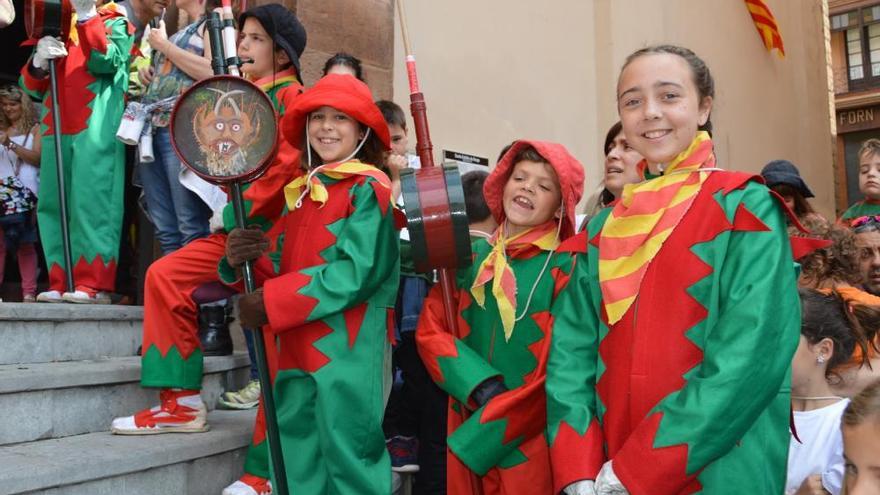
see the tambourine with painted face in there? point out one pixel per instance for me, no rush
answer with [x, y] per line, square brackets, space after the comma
[47, 18]
[225, 129]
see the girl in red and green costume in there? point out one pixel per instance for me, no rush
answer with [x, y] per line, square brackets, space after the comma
[172, 357]
[329, 284]
[493, 368]
[92, 69]
[869, 183]
[674, 378]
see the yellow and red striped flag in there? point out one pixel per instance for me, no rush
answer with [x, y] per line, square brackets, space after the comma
[766, 25]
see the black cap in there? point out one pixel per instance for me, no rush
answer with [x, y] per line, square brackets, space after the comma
[784, 172]
[283, 27]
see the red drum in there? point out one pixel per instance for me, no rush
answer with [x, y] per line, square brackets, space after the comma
[436, 218]
[47, 18]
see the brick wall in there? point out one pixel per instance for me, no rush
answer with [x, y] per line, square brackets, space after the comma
[363, 28]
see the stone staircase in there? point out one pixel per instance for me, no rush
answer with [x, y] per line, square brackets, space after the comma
[65, 372]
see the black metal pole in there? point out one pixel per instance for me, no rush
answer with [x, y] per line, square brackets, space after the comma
[218, 58]
[59, 171]
[279, 487]
[272, 435]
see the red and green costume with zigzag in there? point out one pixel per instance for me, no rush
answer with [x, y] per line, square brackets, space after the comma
[503, 442]
[92, 80]
[678, 369]
[865, 207]
[172, 355]
[506, 303]
[330, 285]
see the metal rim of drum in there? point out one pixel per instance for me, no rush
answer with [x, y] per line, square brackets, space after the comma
[458, 212]
[264, 162]
[47, 18]
[453, 221]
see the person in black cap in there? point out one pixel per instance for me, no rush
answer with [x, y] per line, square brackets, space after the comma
[783, 177]
[271, 42]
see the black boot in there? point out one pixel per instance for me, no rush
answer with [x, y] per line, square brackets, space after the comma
[214, 330]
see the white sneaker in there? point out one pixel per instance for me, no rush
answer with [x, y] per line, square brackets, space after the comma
[246, 398]
[180, 411]
[86, 296]
[50, 296]
[249, 485]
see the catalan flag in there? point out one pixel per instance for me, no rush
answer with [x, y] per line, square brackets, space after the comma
[766, 25]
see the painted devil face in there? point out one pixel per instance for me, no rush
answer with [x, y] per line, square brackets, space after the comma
[224, 131]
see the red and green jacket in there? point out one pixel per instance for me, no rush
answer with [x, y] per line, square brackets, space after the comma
[490, 437]
[330, 260]
[865, 207]
[690, 390]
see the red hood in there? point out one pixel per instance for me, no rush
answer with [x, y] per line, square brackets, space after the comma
[342, 92]
[569, 171]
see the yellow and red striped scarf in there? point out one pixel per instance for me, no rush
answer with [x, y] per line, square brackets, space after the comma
[317, 191]
[642, 220]
[496, 268]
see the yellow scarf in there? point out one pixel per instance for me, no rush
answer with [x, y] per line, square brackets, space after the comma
[641, 222]
[496, 268]
[311, 185]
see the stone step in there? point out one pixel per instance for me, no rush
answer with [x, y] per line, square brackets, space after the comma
[53, 400]
[104, 464]
[41, 333]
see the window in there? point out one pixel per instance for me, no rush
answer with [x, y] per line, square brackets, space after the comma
[862, 30]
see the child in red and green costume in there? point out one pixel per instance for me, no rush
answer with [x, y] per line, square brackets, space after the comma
[674, 377]
[869, 183]
[329, 287]
[494, 367]
[92, 69]
[172, 357]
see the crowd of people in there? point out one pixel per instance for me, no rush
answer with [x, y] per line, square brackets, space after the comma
[699, 329]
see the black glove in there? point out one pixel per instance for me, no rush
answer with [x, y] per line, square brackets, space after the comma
[487, 390]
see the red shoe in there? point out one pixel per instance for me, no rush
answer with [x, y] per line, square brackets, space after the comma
[180, 411]
[249, 485]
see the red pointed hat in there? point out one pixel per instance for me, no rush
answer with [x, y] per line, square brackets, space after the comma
[569, 171]
[342, 92]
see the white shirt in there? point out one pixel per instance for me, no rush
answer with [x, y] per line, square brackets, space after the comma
[821, 451]
[28, 174]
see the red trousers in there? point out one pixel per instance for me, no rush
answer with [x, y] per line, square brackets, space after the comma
[172, 356]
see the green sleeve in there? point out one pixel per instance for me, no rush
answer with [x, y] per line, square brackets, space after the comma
[452, 364]
[573, 432]
[108, 44]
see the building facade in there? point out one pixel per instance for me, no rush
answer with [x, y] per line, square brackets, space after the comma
[497, 70]
[855, 67]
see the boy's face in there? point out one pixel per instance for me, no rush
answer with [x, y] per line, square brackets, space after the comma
[399, 141]
[531, 195]
[255, 43]
[869, 175]
[861, 455]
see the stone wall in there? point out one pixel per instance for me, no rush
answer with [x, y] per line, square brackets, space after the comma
[363, 28]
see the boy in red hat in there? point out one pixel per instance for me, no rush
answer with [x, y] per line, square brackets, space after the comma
[494, 367]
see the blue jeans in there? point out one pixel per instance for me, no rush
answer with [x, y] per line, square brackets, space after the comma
[178, 214]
